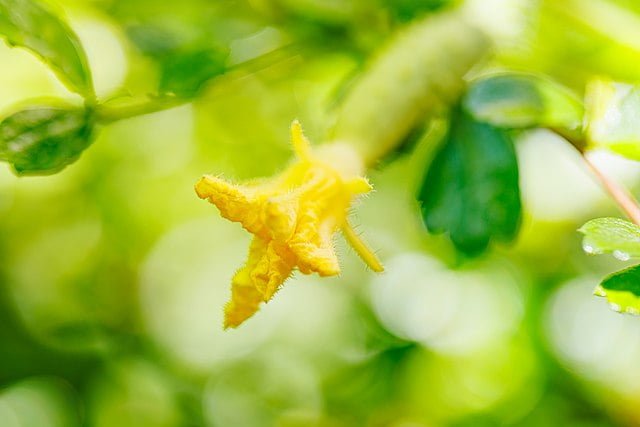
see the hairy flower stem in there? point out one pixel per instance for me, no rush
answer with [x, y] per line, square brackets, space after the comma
[361, 248]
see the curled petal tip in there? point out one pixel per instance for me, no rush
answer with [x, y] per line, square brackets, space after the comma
[359, 185]
[328, 269]
[245, 299]
[234, 202]
[201, 187]
[232, 320]
[301, 145]
[215, 188]
[312, 258]
[234, 317]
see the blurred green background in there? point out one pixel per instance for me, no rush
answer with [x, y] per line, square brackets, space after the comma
[114, 275]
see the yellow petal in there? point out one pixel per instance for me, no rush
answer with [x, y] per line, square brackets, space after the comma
[293, 217]
[244, 302]
[234, 202]
[314, 249]
[245, 297]
[280, 216]
[358, 185]
[275, 266]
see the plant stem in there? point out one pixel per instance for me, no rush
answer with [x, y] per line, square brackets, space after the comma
[622, 197]
[625, 201]
[108, 113]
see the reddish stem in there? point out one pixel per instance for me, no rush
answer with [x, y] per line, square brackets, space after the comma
[622, 197]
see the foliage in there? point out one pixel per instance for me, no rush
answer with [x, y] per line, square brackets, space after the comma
[612, 117]
[513, 100]
[44, 140]
[113, 276]
[472, 191]
[622, 239]
[31, 25]
[611, 235]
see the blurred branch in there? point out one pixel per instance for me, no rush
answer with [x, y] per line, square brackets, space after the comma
[607, 18]
[111, 112]
[621, 196]
[124, 108]
[266, 60]
[625, 201]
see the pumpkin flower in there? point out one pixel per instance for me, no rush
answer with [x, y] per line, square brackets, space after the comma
[293, 218]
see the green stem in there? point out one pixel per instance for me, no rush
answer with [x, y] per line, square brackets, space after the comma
[111, 112]
[107, 113]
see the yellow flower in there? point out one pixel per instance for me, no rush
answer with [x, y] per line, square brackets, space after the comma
[293, 218]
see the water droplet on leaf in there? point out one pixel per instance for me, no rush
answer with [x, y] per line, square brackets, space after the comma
[600, 292]
[590, 248]
[632, 310]
[622, 256]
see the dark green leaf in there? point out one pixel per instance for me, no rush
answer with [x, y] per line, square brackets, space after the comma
[471, 189]
[44, 140]
[622, 290]
[28, 24]
[625, 280]
[184, 74]
[518, 100]
[406, 10]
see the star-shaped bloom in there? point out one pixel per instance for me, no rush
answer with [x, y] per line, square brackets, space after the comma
[293, 218]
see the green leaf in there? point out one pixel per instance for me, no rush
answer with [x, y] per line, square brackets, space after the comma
[520, 100]
[622, 290]
[611, 235]
[622, 239]
[29, 24]
[184, 74]
[42, 141]
[406, 10]
[613, 117]
[471, 189]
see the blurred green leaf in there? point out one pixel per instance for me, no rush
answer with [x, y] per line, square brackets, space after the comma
[187, 57]
[406, 10]
[185, 73]
[622, 290]
[29, 24]
[611, 235]
[471, 189]
[520, 100]
[152, 40]
[613, 117]
[41, 141]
